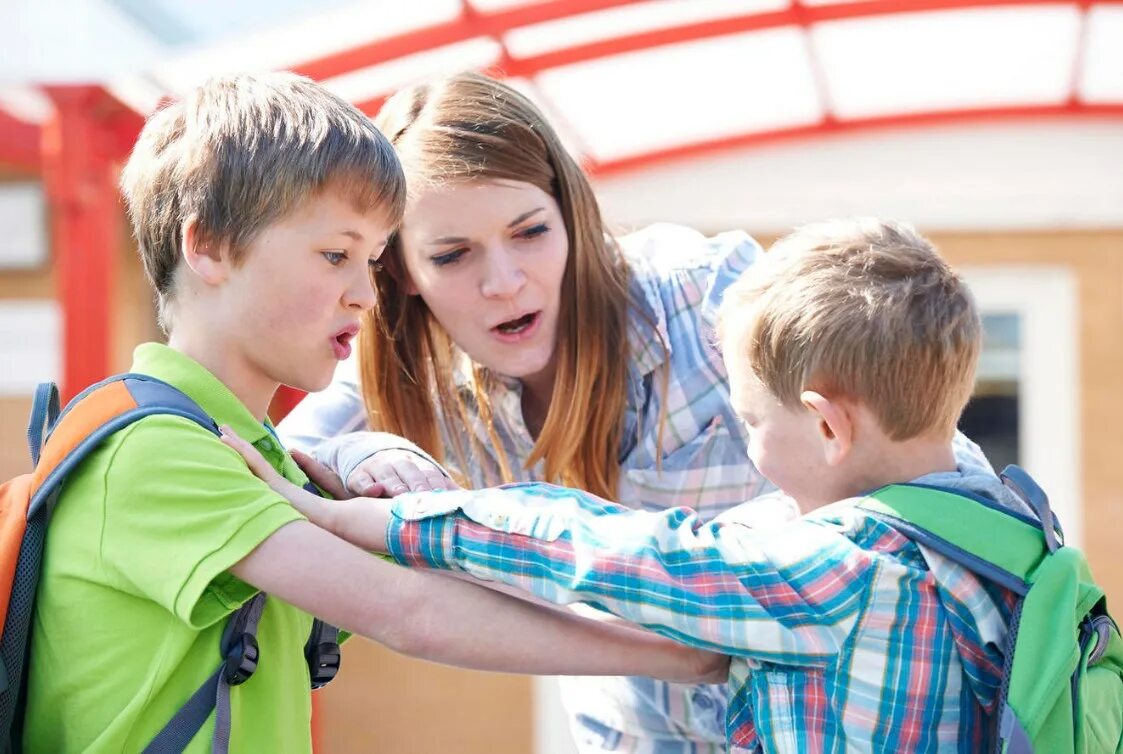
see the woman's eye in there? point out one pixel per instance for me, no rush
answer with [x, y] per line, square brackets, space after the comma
[375, 265]
[335, 258]
[534, 231]
[449, 257]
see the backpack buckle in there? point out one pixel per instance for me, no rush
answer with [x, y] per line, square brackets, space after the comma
[323, 662]
[241, 659]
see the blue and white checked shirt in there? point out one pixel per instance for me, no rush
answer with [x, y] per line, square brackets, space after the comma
[703, 461]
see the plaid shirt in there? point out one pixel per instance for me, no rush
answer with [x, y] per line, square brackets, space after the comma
[845, 635]
[679, 278]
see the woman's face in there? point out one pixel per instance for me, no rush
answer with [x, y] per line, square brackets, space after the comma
[488, 258]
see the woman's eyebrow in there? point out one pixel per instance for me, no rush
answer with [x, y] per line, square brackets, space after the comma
[461, 239]
[524, 216]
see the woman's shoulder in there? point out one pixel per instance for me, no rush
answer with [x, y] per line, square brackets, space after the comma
[679, 270]
[666, 250]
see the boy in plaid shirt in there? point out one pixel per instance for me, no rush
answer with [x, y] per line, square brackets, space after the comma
[851, 351]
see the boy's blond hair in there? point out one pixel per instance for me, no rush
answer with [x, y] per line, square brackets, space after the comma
[859, 309]
[241, 152]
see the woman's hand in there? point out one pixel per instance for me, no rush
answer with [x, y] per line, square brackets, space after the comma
[390, 472]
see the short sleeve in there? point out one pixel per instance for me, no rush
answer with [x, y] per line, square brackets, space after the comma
[181, 508]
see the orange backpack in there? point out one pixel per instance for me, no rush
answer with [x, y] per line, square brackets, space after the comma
[26, 504]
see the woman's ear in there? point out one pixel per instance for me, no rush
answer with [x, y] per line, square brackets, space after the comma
[207, 260]
[835, 424]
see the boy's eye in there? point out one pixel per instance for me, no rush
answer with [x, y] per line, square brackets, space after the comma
[335, 258]
[534, 231]
[449, 257]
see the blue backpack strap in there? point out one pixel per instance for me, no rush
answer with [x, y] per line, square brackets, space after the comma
[1026, 488]
[151, 396]
[322, 651]
[988, 540]
[239, 661]
[44, 414]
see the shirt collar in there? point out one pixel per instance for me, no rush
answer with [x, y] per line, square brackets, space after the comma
[209, 392]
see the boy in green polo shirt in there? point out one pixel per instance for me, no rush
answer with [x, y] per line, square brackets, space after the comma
[260, 205]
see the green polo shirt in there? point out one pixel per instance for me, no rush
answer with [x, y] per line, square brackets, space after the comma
[136, 589]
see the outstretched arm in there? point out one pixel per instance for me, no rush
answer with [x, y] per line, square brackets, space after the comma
[789, 596]
[432, 616]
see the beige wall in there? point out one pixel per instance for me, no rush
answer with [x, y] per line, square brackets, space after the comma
[1096, 258]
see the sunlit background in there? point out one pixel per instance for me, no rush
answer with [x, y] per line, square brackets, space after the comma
[996, 127]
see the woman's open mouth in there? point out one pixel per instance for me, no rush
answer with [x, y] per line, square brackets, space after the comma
[519, 328]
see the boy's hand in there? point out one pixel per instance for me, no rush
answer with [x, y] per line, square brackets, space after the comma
[304, 501]
[712, 667]
[393, 471]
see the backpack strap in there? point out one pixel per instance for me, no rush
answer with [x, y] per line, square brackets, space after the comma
[93, 415]
[990, 541]
[322, 651]
[240, 655]
[44, 414]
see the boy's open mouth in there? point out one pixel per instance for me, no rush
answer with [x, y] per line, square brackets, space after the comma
[517, 325]
[341, 341]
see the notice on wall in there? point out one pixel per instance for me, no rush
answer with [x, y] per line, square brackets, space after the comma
[23, 226]
[30, 344]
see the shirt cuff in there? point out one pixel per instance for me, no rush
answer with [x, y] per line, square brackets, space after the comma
[418, 535]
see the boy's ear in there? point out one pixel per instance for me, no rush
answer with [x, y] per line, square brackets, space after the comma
[835, 424]
[202, 257]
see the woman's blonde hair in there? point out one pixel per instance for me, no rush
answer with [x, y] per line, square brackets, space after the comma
[471, 127]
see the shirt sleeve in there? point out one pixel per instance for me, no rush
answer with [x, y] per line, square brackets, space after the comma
[176, 520]
[791, 596]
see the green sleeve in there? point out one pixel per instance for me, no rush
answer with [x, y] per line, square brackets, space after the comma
[181, 508]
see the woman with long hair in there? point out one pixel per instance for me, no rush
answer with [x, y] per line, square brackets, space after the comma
[515, 339]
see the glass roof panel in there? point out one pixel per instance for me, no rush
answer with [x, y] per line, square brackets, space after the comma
[633, 103]
[628, 19]
[317, 35]
[1102, 79]
[377, 80]
[948, 60]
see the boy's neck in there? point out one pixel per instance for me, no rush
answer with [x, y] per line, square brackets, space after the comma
[254, 391]
[892, 462]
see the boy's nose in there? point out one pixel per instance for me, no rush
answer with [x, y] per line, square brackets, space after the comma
[361, 294]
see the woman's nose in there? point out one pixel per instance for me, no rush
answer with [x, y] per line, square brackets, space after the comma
[503, 276]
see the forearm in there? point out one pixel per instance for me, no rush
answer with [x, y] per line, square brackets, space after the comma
[480, 628]
[430, 615]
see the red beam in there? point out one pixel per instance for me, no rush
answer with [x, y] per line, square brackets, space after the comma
[79, 151]
[801, 16]
[19, 144]
[831, 128]
[468, 26]
[498, 23]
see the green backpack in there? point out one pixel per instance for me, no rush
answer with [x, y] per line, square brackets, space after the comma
[1062, 685]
